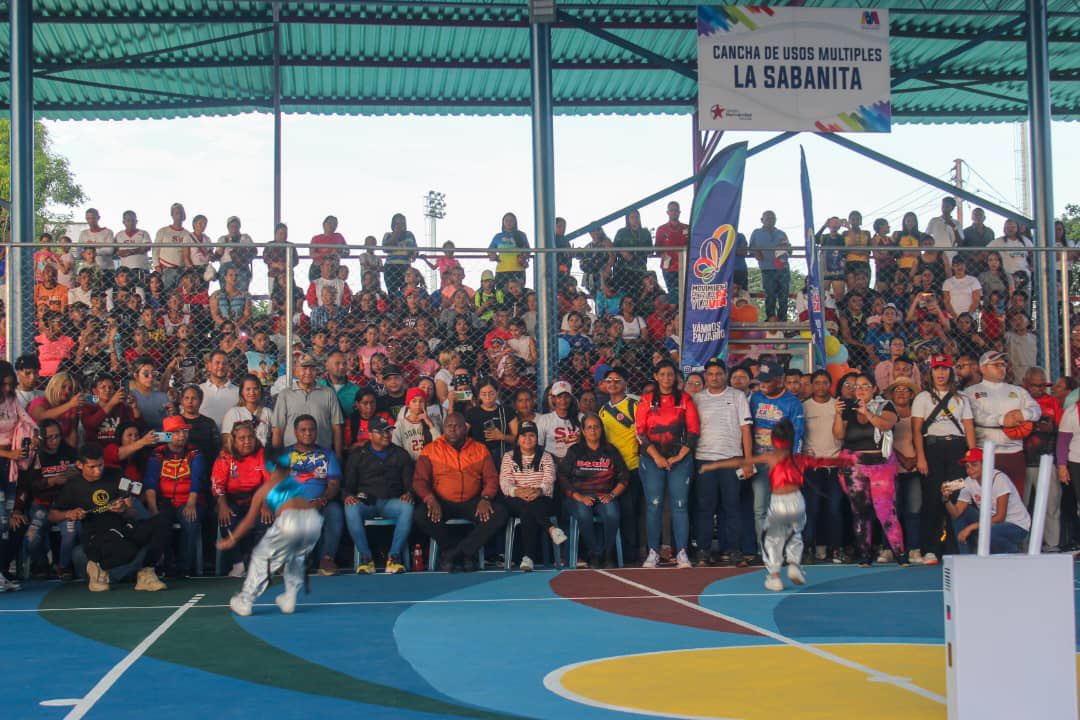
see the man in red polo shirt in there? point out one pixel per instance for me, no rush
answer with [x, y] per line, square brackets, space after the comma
[672, 234]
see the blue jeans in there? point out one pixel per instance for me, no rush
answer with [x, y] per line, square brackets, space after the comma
[716, 492]
[242, 550]
[391, 509]
[333, 526]
[190, 533]
[676, 482]
[909, 506]
[1004, 536]
[37, 536]
[671, 282]
[609, 516]
[824, 497]
[776, 284]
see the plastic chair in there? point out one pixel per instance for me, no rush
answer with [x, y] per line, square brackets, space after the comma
[574, 542]
[406, 558]
[433, 545]
[512, 525]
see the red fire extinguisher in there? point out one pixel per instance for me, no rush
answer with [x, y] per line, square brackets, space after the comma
[417, 559]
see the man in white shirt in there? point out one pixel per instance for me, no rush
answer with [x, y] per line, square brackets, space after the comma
[724, 413]
[1001, 411]
[232, 256]
[132, 246]
[943, 228]
[82, 291]
[171, 261]
[102, 236]
[1010, 523]
[219, 394]
[963, 293]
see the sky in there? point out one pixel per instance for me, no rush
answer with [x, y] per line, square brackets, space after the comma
[365, 169]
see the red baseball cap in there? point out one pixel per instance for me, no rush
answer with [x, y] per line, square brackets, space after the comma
[974, 455]
[174, 423]
[941, 361]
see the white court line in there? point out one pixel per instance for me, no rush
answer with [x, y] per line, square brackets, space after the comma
[98, 691]
[872, 675]
[467, 601]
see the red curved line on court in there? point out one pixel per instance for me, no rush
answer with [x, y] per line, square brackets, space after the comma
[596, 590]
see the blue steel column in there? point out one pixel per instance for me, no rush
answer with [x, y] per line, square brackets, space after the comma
[543, 150]
[1042, 191]
[21, 274]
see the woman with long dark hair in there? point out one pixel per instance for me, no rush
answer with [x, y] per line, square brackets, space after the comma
[593, 475]
[527, 481]
[668, 428]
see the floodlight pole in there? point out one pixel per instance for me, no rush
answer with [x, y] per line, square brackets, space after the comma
[20, 275]
[1042, 190]
[543, 152]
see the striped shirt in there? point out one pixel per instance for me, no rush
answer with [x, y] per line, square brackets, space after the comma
[512, 477]
[722, 416]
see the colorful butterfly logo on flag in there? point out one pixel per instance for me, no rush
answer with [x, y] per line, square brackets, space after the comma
[714, 253]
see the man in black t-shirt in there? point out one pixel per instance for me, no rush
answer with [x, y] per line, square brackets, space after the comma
[112, 537]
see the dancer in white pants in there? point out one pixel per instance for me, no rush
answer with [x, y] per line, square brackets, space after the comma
[296, 529]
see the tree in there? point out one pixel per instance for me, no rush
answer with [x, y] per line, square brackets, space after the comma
[55, 187]
[1071, 218]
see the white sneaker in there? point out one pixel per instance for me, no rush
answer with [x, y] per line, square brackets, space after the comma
[240, 606]
[557, 535]
[885, 556]
[915, 557]
[652, 560]
[286, 602]
[795, 575]
[526, 564]
[929, 559]
[821, 552]
[774, 583]
[237, 570]
[9, 585]
[682, 560]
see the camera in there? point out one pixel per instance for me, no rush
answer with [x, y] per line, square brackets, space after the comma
[130, 488]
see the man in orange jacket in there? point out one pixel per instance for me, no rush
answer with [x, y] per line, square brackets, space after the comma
[455, 477]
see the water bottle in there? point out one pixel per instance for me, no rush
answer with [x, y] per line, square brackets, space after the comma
[417, 559]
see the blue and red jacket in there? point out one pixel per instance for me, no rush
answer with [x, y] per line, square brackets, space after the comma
[667, 421]
[175, 475]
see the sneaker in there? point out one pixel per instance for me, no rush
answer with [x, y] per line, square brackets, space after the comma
[915, 557]
[885, 556]
[366, 566]
[97, 580]
[929, 559]
[837, 559]
[393, 566]
[237, 571]
[327, 566]
[286, 602]
[701, 559]
[736, 559]
[902, 560]
[12, 586]
[682, 560]
[652, 560]
[795, 575]
[240, 606]
[526, 564]
[557, 535]
[821, 552]
[147, 581]
[774, 583]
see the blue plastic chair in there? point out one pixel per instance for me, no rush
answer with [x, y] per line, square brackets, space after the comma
[574, 536]
[433, 545]
[406, 558]
[511, 526]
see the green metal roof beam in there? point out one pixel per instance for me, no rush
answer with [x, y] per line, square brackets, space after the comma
[340, 62]
[595, 30]
[975, 90]
[990, 34]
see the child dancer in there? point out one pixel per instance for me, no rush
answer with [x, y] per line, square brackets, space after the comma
[296, 529]
[782, 534]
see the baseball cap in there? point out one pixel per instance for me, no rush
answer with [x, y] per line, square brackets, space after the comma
[974, 455]
[174, 423]
[528, 427]
[941, 361]
[308, 360]
[378, 424]
[769, 371]
[991, 356]
[487, 275]
[561, 387]
[391, 370]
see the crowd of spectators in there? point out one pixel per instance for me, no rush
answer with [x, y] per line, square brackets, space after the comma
[419, 405]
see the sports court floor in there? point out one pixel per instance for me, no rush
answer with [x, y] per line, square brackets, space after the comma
[589, 644]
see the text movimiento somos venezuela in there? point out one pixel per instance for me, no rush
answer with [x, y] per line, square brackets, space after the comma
[797, 67]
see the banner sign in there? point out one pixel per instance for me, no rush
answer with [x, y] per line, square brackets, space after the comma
[813, 279]
[711, 260]
[793, 69]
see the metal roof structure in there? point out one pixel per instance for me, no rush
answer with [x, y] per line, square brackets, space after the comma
[953, 60]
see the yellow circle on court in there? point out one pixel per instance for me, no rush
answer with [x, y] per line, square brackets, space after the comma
[766, 682]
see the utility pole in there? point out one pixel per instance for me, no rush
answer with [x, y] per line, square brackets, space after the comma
[958, 181]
